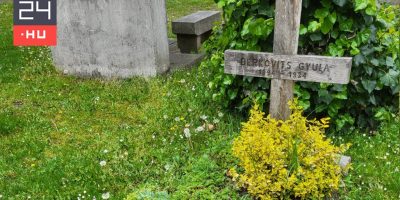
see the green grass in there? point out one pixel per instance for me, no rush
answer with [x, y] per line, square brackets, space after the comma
[376, 164]
[55, 130]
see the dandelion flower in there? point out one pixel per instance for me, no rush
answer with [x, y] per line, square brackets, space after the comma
[186, 131]
[220, 114]
[182, 81]
[177, 119]
[105, 151]
[103, 163]
[203, 117]
[105, 195]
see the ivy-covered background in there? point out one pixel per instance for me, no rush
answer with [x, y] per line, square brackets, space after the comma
[362, 29]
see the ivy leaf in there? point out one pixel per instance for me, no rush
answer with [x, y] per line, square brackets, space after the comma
[335, 50]
[313, 26]
[359, 59]
[372, 99]
[371, 10]
[354, 51]
[360, 4]
[228, 80]
[321, 13]
[369, 85]
[303, 29]
[368, 69]
[316, 37]
[232, 94]
[346, 25]
[326, 27]
[332, 17]
[340, 3]
[341, 95]
[391, 78]
[259, 27]
[334, 33]
[326, 3]
[325, 96]
[305, 104]
[375, 62]
[342, 120]
[363, 37]
[389, 61]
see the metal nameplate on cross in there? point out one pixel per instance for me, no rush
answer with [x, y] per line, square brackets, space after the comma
[284, 66]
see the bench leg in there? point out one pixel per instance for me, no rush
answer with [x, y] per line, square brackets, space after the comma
[189, 43]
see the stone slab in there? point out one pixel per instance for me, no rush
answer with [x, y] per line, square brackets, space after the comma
[121, 38]
[344, 161]
[182, 60]
[196, 23]
[394, 2]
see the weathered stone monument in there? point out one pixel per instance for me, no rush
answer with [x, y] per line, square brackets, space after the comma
[120, 38]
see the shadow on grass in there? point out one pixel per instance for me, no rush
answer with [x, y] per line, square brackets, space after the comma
[9, 123]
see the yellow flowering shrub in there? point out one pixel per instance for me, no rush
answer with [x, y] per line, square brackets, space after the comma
[286, 159]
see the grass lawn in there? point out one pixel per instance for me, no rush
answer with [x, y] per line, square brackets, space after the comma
[63, 137]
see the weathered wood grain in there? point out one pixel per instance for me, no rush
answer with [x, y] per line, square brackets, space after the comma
[286, 36]
[289, 67]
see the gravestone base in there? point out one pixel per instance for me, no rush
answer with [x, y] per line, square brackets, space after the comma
[180, 60]
[109, 39]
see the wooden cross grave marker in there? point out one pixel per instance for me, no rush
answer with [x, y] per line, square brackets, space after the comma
[284, 66]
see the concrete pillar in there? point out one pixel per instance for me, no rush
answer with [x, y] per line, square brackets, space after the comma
[111, 38]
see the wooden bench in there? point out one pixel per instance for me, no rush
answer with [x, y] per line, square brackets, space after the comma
[194, 29]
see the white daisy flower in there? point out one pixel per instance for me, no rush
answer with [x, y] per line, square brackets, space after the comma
[203, 117]
[186, 131]
[105, 195]
[103, 163]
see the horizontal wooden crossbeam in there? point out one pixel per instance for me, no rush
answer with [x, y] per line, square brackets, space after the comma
[289, 67]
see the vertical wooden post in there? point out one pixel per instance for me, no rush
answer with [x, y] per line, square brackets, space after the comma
[286, 36]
